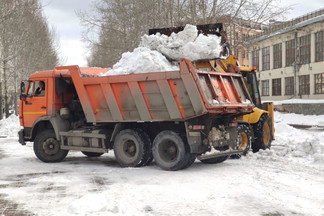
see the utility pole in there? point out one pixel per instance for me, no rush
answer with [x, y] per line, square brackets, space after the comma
[295, 65]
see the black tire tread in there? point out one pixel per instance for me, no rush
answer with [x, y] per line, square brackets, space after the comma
[181, 162]
[142, 148]
[92, 154]
[40, 138]
[258, 133]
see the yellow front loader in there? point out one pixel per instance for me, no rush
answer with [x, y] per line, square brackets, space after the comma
[255, 130]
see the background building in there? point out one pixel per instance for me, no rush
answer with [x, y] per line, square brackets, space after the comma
[290, 58]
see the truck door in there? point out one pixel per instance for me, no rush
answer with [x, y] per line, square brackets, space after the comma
[35, 105]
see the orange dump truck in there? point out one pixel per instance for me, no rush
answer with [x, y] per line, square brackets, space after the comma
[172, 117]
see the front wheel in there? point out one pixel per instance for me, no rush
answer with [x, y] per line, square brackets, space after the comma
[47, 147]
[244, 139]
[263, 133]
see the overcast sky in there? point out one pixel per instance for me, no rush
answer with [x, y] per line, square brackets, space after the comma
[62, 16]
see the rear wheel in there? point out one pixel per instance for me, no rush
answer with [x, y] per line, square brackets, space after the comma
[170, 151]
[131, 148]
[47, 147]
[92, 154]
[263, 133]
[190, 160]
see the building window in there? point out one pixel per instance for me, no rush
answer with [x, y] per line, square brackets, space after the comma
[290, 52]
[319, 46]
[265, 87]
[319, 83]
[236, 52]
[304, 43]
[255, 59]
[277, 55]
[276, 87]
[304, 85]
[289, 86]
[266, 58]
[243, 53]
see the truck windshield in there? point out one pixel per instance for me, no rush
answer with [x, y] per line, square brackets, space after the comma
[254, 90]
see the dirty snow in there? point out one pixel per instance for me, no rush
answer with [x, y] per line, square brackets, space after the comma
[286, 180]
[161, 53]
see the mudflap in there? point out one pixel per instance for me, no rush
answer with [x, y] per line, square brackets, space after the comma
[21, 137]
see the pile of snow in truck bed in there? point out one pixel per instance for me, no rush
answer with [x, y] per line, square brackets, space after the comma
[161, 53]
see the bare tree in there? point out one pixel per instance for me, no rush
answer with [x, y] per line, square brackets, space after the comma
[26, 45]
[119, 24]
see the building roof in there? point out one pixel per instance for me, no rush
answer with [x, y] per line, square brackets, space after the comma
[308, 19]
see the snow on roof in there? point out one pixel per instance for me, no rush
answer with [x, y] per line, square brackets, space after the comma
[288, 29]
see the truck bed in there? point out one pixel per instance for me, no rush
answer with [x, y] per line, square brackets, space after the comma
[160, 96]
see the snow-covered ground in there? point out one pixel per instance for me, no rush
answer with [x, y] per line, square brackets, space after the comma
[286, 180]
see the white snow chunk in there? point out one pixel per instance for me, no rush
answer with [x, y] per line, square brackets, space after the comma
[141, 60]
[157, 52]
[215, 101]
[185, 44]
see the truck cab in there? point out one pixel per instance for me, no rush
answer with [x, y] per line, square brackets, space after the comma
[40, 108]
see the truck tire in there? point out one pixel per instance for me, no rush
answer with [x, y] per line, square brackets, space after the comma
[215, 160]
[190, 160]
[148, 157]
[92, 154]
[262, 133]
[169, 151]
[131, 148]
[244, 140]
[47, 147]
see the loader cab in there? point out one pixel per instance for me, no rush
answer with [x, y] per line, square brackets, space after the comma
[251, 83]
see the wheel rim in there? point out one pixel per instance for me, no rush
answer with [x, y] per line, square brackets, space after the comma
[243, 141]
[51, 146]
[129, 148]
[168, 151]
[266, 134]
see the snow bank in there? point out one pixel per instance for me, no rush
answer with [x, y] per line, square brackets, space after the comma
[156, 52]
[294, 143]
[10, 126]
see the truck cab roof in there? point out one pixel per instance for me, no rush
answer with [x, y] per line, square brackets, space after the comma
[88, 71]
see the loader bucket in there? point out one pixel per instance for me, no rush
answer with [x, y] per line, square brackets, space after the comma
[215, 29]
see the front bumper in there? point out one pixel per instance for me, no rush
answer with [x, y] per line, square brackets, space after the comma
[21, 137]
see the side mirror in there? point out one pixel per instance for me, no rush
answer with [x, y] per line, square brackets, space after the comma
[22, 91]
[22, 87]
